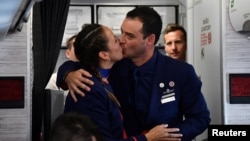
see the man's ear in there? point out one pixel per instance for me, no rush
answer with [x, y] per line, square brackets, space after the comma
[67, 53]
[151, 39]
[104, 55]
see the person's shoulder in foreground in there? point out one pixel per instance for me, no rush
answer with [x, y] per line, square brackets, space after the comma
[74, 127]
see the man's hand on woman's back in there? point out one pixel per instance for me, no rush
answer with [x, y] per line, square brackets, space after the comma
[77, 80]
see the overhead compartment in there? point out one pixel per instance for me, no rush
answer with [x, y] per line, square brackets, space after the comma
[13, 14]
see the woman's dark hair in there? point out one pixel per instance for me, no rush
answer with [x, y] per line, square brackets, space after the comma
[152, 22]
[89, 42]
[74, 127]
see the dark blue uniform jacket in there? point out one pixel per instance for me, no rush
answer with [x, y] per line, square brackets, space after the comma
[176, 97]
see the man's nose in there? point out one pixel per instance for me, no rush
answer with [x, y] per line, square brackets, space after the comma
[121, 39]
[173, 46]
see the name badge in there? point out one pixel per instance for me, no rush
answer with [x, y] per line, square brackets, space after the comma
[168, 98]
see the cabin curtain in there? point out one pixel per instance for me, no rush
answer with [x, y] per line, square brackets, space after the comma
[49, 20]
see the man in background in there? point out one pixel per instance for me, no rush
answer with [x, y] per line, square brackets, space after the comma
[175, 37]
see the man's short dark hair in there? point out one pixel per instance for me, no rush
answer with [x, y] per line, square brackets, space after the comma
[74, 127]
[152, 22]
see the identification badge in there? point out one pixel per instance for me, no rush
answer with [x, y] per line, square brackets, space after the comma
[168, 98]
